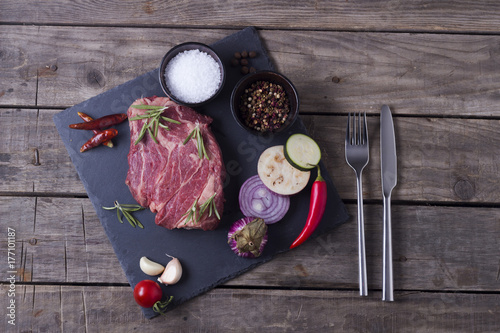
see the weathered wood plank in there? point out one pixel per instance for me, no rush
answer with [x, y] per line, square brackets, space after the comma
[458, 16]
[447, 160]
[17, 67]
[421, 74]
[343, 57]
[60, 240]
[112, 309]
[61, 67]
[439, 159]
[334, 72]
[31, 133]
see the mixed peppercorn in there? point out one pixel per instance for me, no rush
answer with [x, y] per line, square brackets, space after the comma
[264, 106]
[241, 59]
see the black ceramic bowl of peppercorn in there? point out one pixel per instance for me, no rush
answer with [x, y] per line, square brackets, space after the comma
[265, 103]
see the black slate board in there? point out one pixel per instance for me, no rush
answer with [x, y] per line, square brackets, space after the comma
[205, 255]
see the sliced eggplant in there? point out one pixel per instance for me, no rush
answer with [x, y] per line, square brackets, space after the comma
[279, 175]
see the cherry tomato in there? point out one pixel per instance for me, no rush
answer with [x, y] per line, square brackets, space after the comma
[147, 293]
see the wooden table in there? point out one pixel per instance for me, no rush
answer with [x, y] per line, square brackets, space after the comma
[437, 64]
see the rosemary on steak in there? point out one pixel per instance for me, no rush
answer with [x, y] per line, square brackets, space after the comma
[196, 132]
[153, 116]
[210, 205]
[191, 213]
[195, 212]
[127, 211]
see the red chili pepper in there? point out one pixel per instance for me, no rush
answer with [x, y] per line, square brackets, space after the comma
[101, 123]
[316, 210]
[88, 118]
[99, 138]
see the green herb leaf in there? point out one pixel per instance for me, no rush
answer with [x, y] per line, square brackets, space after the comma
[154, 115]
[152, 135]
[189, 137]
[196, 132]
[149, 107]
[119, 216]
[126, 210]
[191, 213]
[170, 120]
[195, 213]
[210, 205]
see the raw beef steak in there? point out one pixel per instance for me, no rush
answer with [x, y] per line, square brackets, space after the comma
[169, 177]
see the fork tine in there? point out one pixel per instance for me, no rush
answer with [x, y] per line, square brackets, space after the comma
[347, 131]
[358, 127]
[353, 129]
[356, 130]
[365, 130]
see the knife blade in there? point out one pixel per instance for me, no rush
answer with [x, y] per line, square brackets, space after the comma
[388, 168]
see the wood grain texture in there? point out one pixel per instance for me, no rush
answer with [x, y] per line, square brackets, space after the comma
[393, 15]
[60, 240]
[418, 74]
[439, 159]
[60, 66]
[32, 134]
[112, 309]
[434, 63]
[334, 72]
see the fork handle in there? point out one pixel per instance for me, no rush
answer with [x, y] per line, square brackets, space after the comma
[363, 286]
[387, 279]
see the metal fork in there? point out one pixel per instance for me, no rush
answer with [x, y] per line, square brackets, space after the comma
[357, 156]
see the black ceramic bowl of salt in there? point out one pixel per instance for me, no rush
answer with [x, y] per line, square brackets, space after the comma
[191, 74]
[243, 115]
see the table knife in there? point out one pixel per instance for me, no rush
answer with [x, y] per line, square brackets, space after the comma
[389, 180]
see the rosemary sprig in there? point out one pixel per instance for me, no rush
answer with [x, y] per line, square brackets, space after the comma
[127, 210]
[153, 115]
[191, 213]
[210, 204]
[196, 132]
[195, 213]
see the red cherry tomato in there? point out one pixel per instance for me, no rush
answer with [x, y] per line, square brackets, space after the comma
[147, 293]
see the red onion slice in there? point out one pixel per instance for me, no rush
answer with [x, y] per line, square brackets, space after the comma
[257, 200]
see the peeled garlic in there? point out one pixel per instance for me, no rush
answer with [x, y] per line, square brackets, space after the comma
[150, 267]
[172, 273]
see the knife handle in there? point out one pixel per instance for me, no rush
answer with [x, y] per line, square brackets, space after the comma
[363, 285]
[387, 280]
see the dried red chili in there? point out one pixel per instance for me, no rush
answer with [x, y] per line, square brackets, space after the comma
[101, 123]
[88, 118]
[99, 138]
[316, 209]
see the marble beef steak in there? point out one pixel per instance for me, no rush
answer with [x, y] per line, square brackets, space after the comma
[183, 188]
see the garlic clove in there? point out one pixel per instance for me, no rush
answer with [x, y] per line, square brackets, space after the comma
[172, 273]
[150, 267]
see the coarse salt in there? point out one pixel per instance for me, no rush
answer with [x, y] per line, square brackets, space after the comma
[193, 76]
